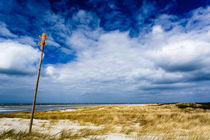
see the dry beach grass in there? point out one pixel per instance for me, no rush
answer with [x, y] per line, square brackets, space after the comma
[153, 121]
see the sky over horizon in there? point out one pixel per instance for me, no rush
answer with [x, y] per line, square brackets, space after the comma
[106, 51]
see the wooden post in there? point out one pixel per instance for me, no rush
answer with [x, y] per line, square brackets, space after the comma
[37, 81]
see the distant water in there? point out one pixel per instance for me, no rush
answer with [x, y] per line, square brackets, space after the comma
[8, 108]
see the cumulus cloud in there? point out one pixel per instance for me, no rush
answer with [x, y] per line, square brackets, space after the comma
[17, 58]
[114, 62]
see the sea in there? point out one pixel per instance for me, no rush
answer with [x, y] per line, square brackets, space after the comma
[8, 108]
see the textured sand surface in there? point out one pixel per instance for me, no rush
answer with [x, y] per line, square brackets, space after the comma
[52, 127]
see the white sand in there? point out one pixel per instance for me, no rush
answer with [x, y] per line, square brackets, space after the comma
[67, 110]
[52, 127]
[114, 136]
[42, 126]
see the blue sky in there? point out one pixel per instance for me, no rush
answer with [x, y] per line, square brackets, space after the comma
[136, 51]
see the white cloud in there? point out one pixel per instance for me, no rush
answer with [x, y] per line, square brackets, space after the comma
[51, 42]
[17, 57]
[26, 40]
[4, 31]
[114, 62]
[85, 18]
[157, 30]
[199, 19]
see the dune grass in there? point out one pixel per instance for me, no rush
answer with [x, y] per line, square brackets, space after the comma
[92, 134]
[180, 120]
[64, 135]
[13, 135]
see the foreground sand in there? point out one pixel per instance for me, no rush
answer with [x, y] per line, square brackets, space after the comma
[54, 128]
[113, 122]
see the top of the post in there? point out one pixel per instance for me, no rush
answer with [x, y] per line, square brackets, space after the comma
[43, 36]
[42, 43]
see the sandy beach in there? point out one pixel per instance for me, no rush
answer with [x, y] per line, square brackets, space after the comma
[54, 128]
[114, 122]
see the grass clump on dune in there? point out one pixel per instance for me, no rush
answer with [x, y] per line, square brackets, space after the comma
[92, 134]
[12, 134]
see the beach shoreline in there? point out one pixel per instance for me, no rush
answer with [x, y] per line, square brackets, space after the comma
[144, 121]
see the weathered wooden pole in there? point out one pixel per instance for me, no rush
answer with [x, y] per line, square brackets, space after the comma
[37, 81]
